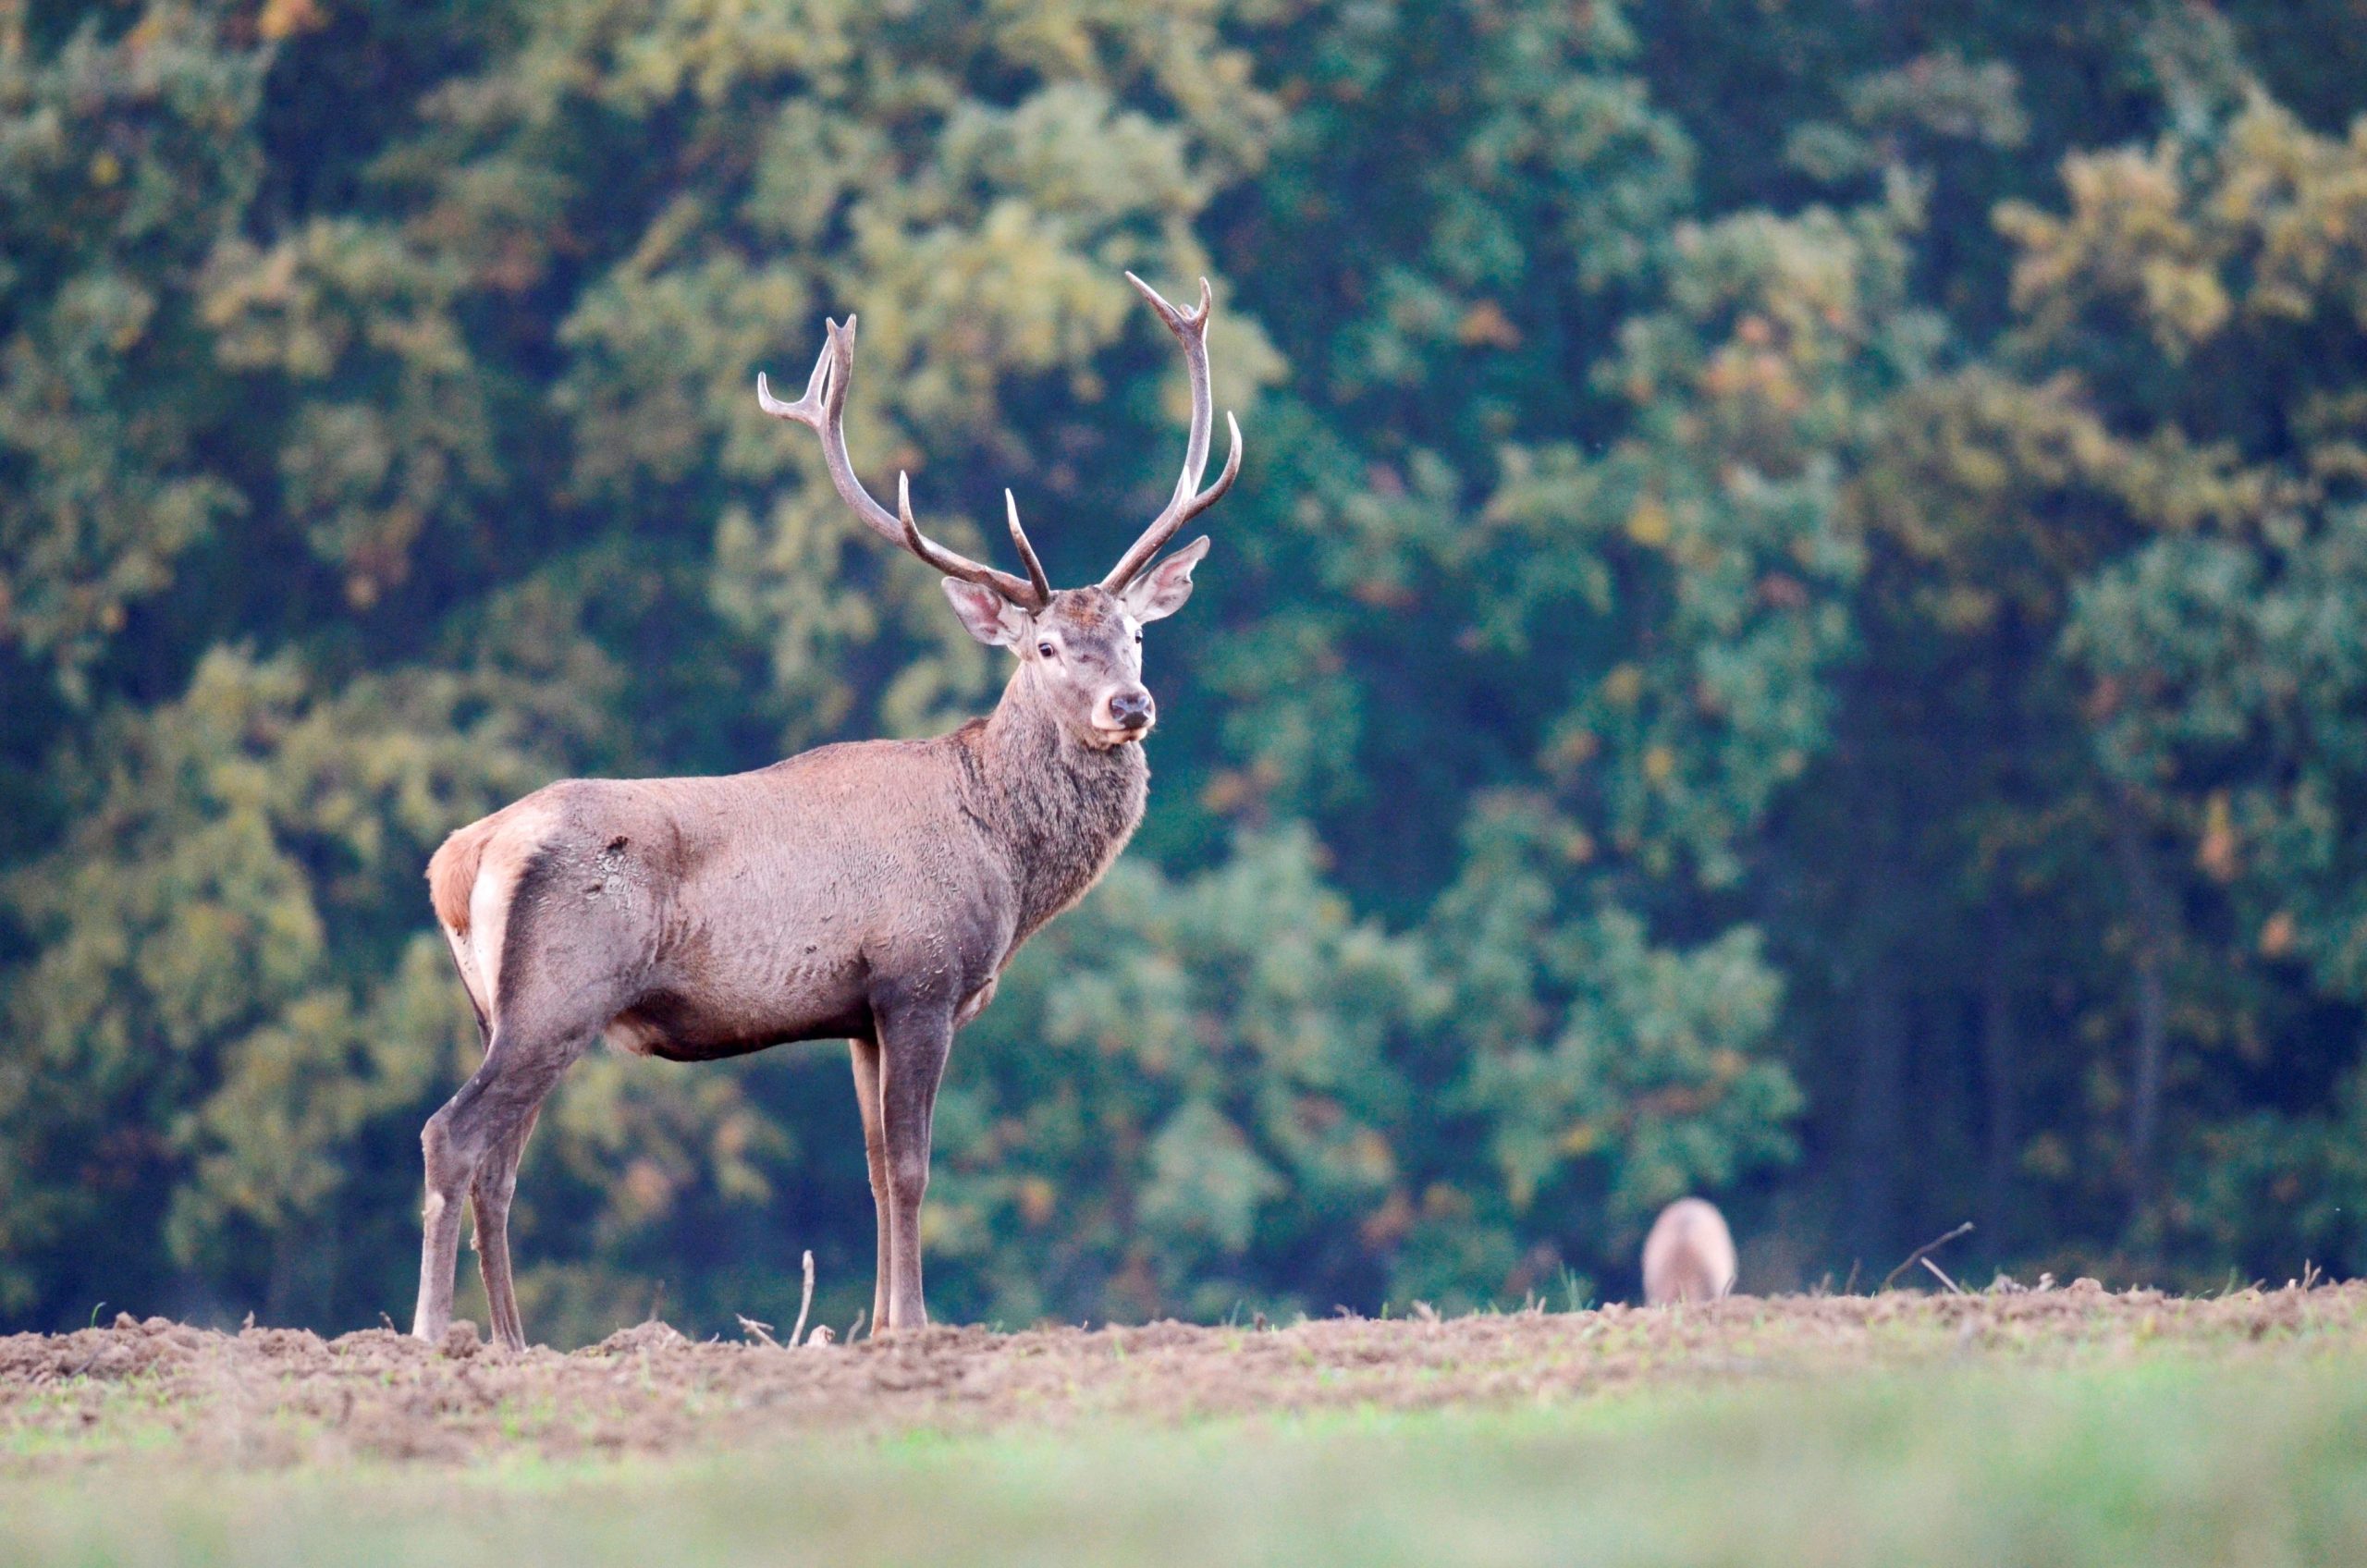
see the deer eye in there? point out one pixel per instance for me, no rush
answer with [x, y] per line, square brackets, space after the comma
[1045, 649]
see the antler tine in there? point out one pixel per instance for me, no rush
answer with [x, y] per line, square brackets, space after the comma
[806, 410]
[1191, 329]
[1026, 595]
[1041, 584]
[823, 409]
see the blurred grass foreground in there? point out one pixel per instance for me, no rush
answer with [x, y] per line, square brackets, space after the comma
[2058, 1426]
[2170, 1463]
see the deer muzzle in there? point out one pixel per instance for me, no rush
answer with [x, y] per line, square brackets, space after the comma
[1128, 715]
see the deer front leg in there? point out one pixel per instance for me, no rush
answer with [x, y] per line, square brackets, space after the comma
[874, 1150]
[913, 1048]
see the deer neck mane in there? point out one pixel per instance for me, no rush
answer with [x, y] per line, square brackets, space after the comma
[1061, 808]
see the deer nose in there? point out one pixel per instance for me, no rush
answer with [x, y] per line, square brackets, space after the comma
[1130, 710]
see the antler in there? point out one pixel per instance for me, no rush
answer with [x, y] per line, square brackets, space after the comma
[823, 409]
[1189, 500]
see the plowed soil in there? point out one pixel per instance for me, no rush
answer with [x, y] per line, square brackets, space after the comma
[275, 1398]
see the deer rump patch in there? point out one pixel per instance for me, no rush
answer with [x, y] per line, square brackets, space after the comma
[472, 882]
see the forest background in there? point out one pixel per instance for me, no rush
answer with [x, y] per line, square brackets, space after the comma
[1794, 627]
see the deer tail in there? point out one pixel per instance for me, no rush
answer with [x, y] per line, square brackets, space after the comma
[452, 875]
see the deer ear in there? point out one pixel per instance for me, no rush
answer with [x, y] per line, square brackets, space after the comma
[1160, 592]
[992, 618]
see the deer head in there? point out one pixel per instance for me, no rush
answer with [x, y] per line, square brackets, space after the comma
[1079, 649]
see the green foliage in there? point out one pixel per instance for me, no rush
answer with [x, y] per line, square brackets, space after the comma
[122, 165]
[1189, 1096]
[1613, 1074]
[1788, 630]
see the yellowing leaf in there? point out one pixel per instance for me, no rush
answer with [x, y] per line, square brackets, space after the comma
[2276, 937]
[1486, 323]
[286, 19]
[2215, 855]
[1649, 523]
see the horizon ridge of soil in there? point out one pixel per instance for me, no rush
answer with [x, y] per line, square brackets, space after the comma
[270, 1398]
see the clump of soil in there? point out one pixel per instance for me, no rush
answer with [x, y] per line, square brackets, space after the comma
[275, 1397]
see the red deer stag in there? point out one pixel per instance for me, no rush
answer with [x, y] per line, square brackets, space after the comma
[871, 891]
[1690, 1255]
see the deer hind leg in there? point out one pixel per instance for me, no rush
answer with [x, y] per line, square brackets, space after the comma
[548, 987]
[913, 1048]
[473, 1145]
[489, 1195]
[448, 1174]
[874, 1150]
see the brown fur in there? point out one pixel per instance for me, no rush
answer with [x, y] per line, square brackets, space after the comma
[1088, 607]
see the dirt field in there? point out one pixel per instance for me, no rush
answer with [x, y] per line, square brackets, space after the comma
[273, 1399]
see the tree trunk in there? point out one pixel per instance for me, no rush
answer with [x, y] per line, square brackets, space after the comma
[1875, 1141]
[2151, 1044]
[1999, 1052]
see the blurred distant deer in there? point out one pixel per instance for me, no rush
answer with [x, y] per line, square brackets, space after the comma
[1689, 1257]
[870, 891]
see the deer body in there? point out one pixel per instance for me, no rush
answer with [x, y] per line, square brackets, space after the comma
[1690, 1255]
[872, 891]
[695, 919]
